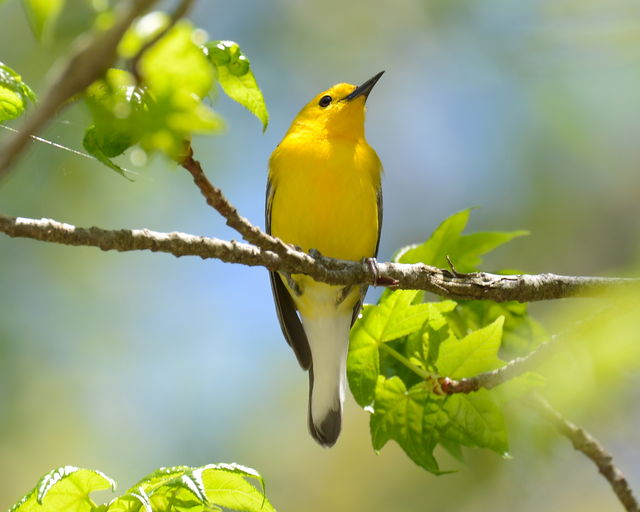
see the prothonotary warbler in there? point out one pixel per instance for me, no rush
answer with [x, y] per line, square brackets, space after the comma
[324, 193]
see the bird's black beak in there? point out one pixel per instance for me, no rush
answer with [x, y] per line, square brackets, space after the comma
[365, 88]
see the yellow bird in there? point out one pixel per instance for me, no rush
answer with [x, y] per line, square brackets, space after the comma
[324, 193]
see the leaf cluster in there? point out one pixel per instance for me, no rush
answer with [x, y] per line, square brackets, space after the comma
[181, 488]
[14, 94]
[160, 104]
[159, 94]
[402, 347]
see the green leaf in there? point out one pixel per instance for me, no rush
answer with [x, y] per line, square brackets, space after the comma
[397, 315]
[394, 317]
[521, 333]
[178, 77]
[236, 78]
[435, 249]
[176, 65]
[159, 477]
[117, 106]
[66, 488]
[465, 251]
[14, 94]
[175, 489]
[141, 32]
[407, 416]
[454, 449]
[423, 343]
[42, 16]
[363, 360]
[475, 353]
[474, 420]
[226, 485]
[432, 338]
[91, 143]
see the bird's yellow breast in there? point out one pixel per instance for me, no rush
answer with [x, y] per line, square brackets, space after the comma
[324, 195]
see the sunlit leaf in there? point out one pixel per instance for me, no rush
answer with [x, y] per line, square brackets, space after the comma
[14, 94]
[147, 27]
[407, 416]
[176, 65]
[66, 488]
[226, 485]
[464, 251]
[177, 76]
[475, 420]
[159, 476]
[423, 342]
[91, 143]
[435, 248]
[394, 317]
[42, 15]
[475, 353]
[521, 333]
[201, 489]
[117, 106]
[236, 77]
[363, 361]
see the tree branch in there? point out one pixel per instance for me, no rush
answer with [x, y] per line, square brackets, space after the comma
[216, 199]
[489, 380]
[589, 446]
[482, 285]
[90, 60]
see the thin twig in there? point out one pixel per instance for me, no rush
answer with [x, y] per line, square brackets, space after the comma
[477, 285]
[180, 12]
[489, 380]
[86, 64]
[341, 272]
[590, 447]
[216, 199]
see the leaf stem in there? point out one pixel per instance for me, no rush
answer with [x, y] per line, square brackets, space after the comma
[423, 374]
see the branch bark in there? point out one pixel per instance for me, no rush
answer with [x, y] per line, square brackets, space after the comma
[217, 200]
[481, 285]
[591, 448]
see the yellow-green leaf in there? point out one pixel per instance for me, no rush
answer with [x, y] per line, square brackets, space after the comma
[475, 353]
[42, 15]
[236, 78]
[14, 94]
[66, 488]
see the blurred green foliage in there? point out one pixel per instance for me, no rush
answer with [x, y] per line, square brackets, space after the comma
[42, 15]
[162, 108]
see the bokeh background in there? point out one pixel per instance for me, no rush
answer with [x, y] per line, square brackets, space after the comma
[528, 109]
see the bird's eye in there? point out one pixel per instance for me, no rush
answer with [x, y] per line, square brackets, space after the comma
[324, 101]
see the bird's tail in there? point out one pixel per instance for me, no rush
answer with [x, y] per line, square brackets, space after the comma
[329, 341]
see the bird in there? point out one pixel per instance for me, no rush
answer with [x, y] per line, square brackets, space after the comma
[324, 195]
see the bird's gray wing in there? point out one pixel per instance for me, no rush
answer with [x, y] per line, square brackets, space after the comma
[358, 306]
[285, 308]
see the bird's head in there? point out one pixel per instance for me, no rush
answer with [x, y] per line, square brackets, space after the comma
[337, 112]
